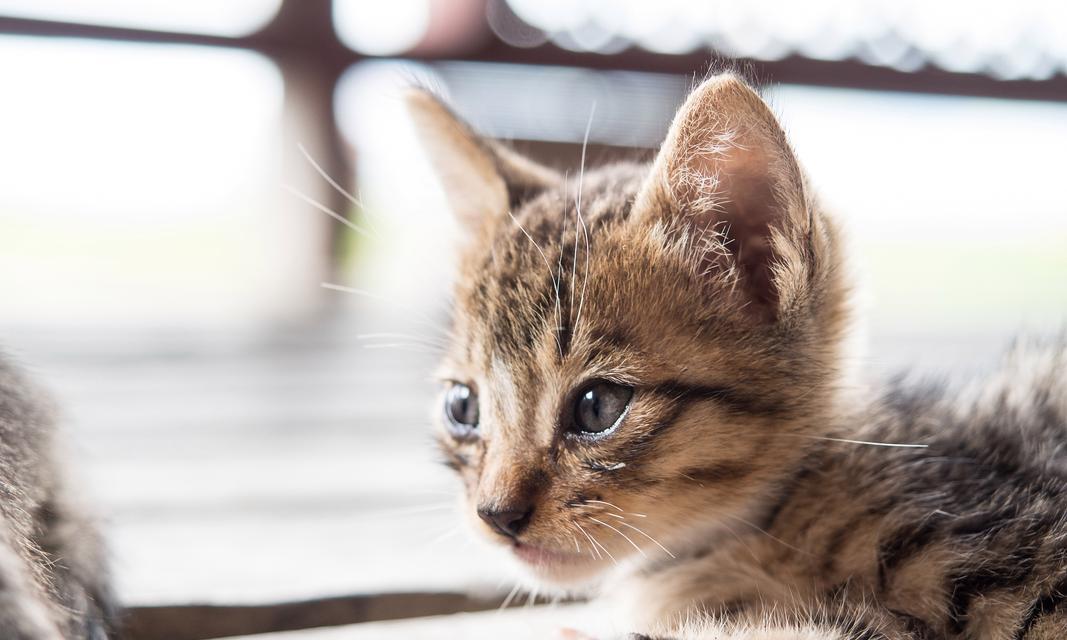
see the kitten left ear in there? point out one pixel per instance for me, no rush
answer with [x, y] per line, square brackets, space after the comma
[482, 179]
[727, 175]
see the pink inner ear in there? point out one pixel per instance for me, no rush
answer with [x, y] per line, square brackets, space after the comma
[744, 208]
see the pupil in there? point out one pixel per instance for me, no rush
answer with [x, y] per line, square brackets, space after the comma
[594, 406]
[601, 406]
[461, 407]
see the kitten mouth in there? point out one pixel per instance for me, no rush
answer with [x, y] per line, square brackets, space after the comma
[540, 556]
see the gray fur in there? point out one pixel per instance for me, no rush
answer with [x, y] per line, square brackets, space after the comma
[53, 580]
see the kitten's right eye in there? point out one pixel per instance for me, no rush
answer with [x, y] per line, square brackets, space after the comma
[600, 406]
[461, 409]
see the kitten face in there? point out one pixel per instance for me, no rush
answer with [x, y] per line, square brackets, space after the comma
[621, 381]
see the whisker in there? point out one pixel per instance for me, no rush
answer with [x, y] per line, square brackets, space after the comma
[555, 282]
[764, 532]
[333, 183]
[605, 503]
[605, 550]
[510, 597]
[351, 290]
[409, 346]
[597, 543]
[435, 344]
[328, 211]
[741, 540]
[624, 536]
[325, 176]
[592, 543]
[865, 442]
[578, 215]
[574, 262]
[654, 541]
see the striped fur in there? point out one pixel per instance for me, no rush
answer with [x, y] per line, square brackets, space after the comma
[740, 497]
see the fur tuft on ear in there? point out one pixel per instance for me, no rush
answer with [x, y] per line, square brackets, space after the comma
[482, 179]
[727, 173]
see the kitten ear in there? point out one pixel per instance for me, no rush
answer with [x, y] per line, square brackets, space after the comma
[727, 172]
[481, 179]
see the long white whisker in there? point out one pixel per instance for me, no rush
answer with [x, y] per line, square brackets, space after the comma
[574, 264]
[559, 272]
[766, 533]
[422, 318]
[588, 537]
[551, 273]
[596, 544]
[325, 176]
[356, 292]
[605, 550]
[741, 540]
[624, 536]
[510, 597]
[654, 541]
[605, 503]
[333, 183]
[409, 346]
[866, 442]
[328, 211]
[578, 215]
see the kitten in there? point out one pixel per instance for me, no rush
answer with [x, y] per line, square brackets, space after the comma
[53, 581]
[644, 401]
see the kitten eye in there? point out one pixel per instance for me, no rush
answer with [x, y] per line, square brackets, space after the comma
[461, 408]
[600, 406]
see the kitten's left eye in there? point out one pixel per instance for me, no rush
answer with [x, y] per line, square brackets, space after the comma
[461, 409]
[600, 406]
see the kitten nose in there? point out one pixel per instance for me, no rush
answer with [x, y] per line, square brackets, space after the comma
[506, 522]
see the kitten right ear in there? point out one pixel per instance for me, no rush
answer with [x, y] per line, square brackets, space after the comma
[727, 172]
[481, 179]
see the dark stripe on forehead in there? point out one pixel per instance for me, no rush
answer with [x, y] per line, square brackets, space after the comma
[532, 277]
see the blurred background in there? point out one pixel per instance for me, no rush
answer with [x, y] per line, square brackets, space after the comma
[221, 246]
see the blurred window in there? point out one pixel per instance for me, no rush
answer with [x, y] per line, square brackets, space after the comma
[1022, 39]
[961, 235]
[381, 28]
[212, 17]
[161, 156]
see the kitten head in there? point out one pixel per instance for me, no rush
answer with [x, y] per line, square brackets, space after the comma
[639, 352]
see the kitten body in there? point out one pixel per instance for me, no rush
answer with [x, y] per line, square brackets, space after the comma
[53, 579]
[645, 400]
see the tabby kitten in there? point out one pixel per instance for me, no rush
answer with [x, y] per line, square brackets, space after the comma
[644, 400]
[52, 576]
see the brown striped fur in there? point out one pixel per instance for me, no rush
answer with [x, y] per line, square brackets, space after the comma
[728, 504]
